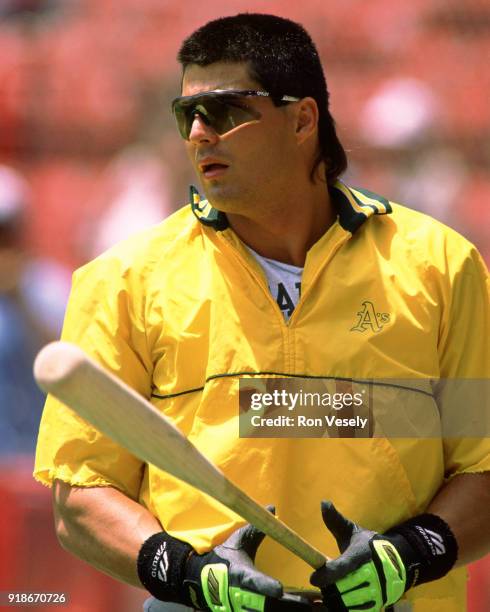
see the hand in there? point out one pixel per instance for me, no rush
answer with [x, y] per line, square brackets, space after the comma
[226, 579]
[222, 580]
[369, 573]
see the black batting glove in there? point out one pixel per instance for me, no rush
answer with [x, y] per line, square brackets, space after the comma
[222, 580]
[375, 570]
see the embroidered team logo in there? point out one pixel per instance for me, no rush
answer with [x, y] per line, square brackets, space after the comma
[368, 318]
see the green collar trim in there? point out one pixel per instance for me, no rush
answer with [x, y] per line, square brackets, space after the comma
[205, 213]
[354, 207]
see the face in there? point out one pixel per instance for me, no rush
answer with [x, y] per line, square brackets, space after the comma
[251, 163]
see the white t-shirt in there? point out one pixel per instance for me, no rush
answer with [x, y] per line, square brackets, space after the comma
[284, 282]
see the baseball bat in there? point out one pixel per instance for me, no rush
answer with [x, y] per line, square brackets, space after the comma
[118, 411]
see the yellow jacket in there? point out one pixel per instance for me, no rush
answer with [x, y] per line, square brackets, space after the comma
[182, 312]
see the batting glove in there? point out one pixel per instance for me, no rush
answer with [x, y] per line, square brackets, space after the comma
[375, 570]
[222, 580]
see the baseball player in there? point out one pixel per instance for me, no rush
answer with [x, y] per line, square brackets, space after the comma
[278, 270]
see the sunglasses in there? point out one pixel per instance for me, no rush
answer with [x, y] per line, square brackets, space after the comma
[221, 109]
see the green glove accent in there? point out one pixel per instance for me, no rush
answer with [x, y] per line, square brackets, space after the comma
[393, 569]
[214, 582]
[221, 597]
[368, 575]
[364, 585]
[246, 600]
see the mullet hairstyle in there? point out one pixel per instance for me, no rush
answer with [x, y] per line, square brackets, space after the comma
[283, 59]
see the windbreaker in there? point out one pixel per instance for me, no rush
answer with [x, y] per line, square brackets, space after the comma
[182, 313]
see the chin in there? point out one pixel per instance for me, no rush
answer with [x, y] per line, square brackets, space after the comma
[225, 199]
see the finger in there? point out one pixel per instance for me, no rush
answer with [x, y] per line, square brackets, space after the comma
[332, 599]
[332, 571]
[248, 538]
[342, 529]
[340, 567]
[250, 579]
[361, 588]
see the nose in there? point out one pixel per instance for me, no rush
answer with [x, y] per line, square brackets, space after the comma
[201, 131]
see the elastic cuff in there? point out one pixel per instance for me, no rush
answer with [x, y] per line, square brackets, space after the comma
[427, 547]
[161, 567]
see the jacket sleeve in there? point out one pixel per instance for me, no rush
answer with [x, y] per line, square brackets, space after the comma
[464, 353]
[105, 317]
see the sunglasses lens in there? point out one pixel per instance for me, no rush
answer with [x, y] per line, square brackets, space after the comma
[181, 117]
[222, 112]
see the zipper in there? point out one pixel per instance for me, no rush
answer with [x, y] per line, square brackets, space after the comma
[261, 280]
[329, 256]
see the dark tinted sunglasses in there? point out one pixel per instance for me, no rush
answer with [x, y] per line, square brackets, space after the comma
[221, 109]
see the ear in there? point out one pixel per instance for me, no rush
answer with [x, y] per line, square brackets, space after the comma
[306, 119]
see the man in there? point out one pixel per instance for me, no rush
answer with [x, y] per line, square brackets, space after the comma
[186, 310]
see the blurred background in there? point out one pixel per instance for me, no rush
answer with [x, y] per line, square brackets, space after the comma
[89, 153]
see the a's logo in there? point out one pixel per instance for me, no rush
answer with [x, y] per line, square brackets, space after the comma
[368, 318]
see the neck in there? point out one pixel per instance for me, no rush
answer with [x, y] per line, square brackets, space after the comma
[285, 232]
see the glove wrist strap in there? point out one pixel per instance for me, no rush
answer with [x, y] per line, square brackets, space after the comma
[161, 567]
[427, 547]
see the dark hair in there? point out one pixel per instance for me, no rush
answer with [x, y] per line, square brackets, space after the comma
[282, 58]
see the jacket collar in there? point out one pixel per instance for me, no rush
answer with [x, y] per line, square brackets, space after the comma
[205, 213]
[354, 207]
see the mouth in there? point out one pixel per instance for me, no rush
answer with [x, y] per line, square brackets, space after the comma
[212, 169]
